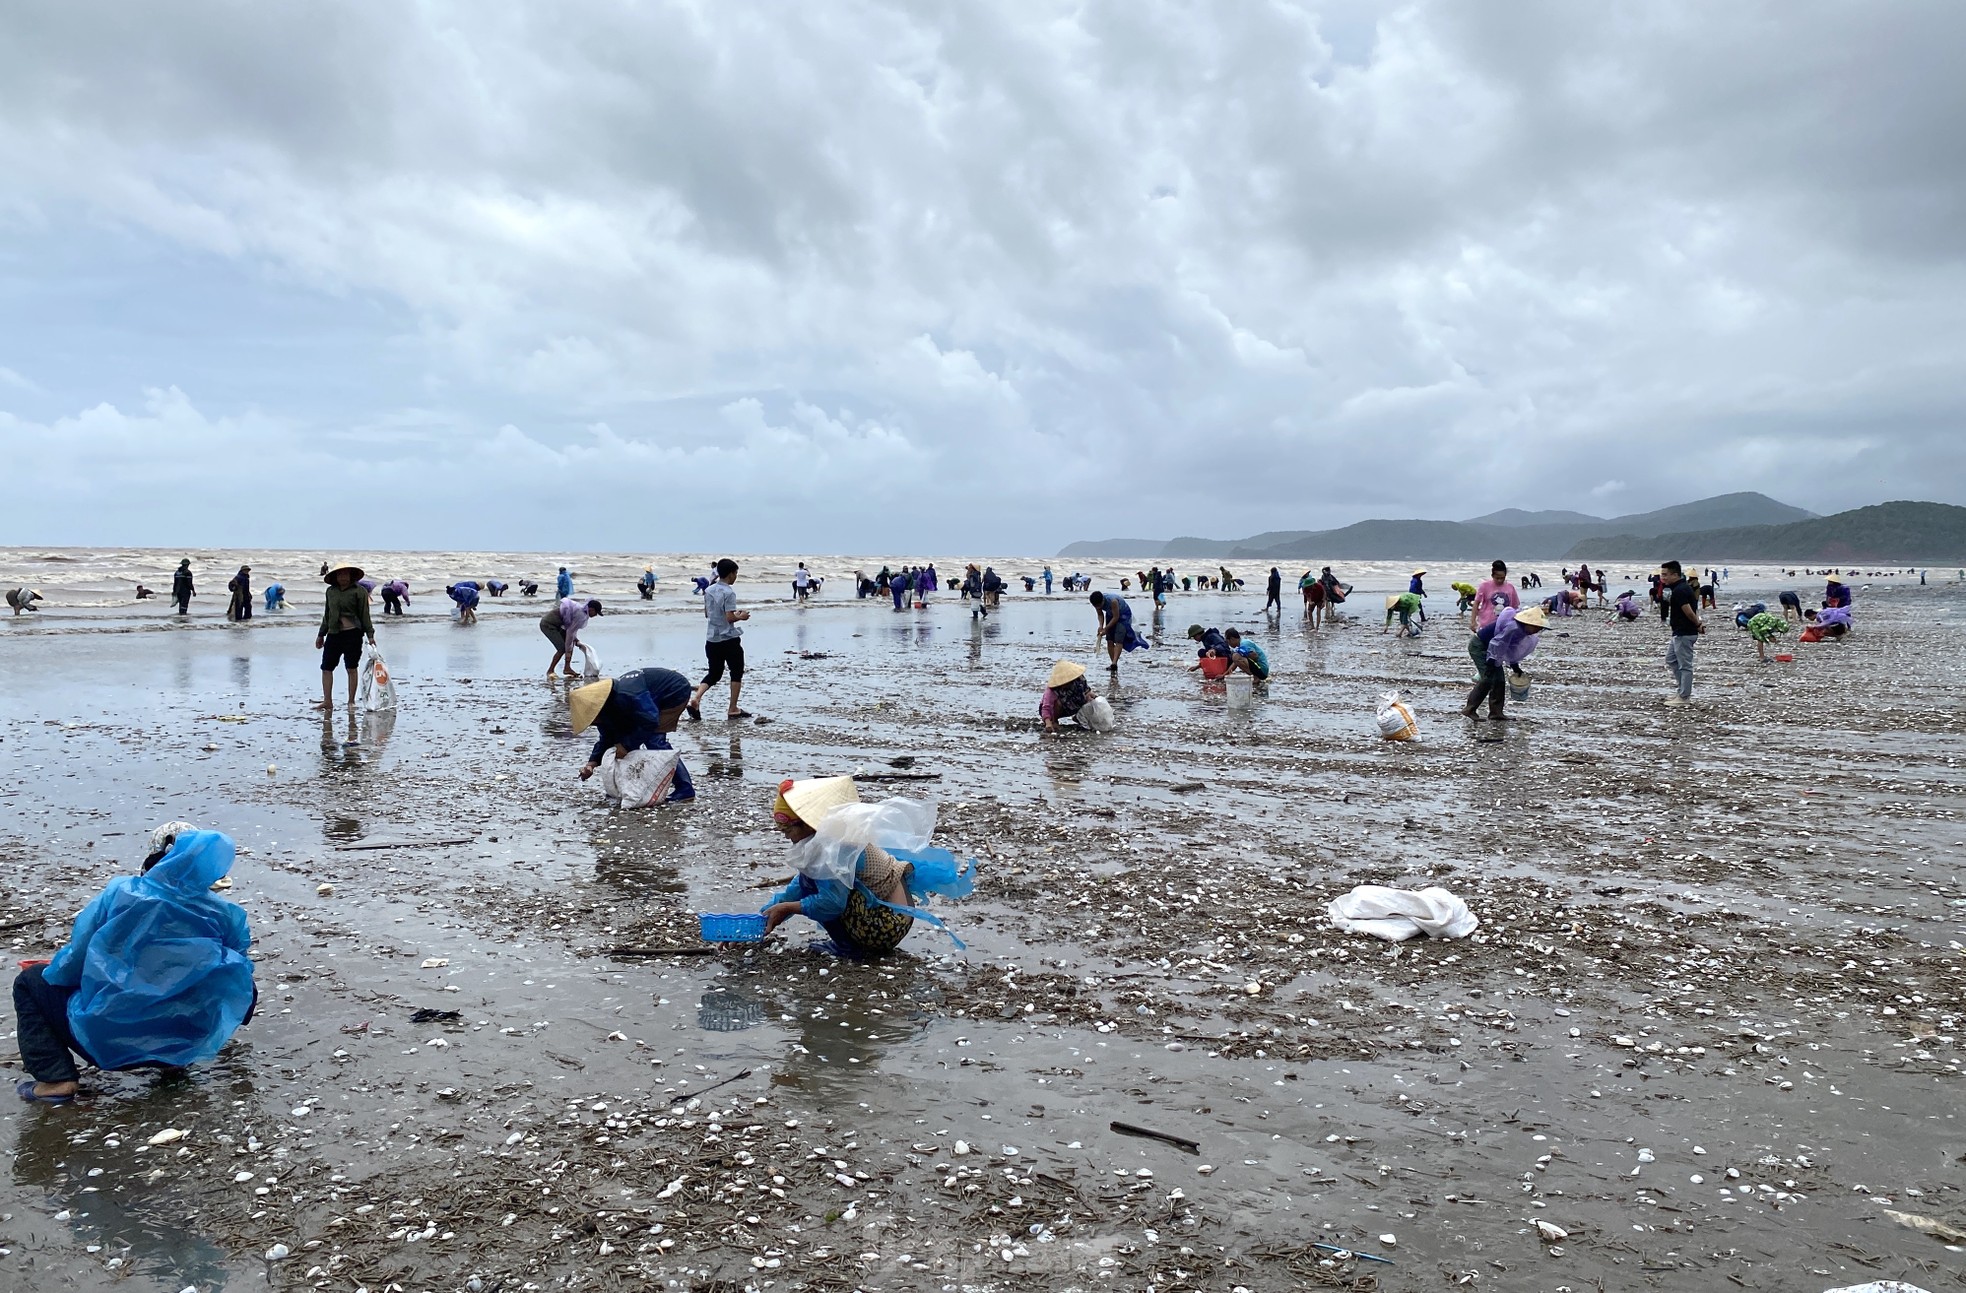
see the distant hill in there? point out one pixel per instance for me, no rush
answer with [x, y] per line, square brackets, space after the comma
[1513, 516]
[1511, 532]
[1885, 534]
[1723, 512]
[1113, 548]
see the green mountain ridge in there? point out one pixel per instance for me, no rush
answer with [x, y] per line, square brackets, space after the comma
[1510, 532]
[1899, 533]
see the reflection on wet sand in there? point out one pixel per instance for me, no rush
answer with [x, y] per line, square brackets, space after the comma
[97, 1172]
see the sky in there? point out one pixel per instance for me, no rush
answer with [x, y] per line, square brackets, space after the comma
[936, 276]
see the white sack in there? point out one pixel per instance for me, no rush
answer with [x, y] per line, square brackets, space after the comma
[642, 780]
[590, 663]
[1398, 914]
[1097, 714]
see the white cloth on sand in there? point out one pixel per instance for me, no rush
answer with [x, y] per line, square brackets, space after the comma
[1398, 914]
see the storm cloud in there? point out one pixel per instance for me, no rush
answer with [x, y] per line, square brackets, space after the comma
[907, 276]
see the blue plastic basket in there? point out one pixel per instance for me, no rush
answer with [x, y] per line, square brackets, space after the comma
[731, 927]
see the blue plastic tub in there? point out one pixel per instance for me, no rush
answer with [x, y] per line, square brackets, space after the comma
[731, 927]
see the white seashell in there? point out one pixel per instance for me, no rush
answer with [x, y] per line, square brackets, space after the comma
[1551, 1233]
[436, 961]
[168, 1135]
[278, 1253]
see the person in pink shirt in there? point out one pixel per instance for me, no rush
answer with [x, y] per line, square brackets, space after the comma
[1496, 585]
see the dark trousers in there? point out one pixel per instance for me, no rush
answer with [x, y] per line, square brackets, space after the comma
[184, 604]
[41, 1011]
[1490, 688]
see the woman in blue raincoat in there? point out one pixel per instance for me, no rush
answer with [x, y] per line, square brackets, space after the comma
[155, 974]
[862, 869]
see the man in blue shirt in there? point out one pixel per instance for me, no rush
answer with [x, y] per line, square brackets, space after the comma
[565, 583]
[1247, 656]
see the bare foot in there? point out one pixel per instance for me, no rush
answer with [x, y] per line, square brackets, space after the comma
[327, 706]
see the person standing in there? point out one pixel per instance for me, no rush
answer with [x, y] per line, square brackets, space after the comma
[723, 642]
[561, 624]
[1274, 591]
[801, 583]
[1682, 601]
[1496, 585]
[241, 588]
[1115, 627]
[182, 590]
[1047, 581]
[563, 586]
[1417, 586]
[345, 623]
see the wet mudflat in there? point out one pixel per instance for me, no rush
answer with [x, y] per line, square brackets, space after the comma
[1706, 1037]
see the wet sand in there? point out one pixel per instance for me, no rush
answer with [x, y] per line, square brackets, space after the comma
[1722, 942]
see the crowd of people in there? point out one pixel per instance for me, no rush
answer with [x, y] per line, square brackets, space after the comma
[116, 996]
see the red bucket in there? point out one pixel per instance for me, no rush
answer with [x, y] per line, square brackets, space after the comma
[1214, 666]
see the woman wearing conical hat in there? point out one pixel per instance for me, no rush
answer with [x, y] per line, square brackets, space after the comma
[1066, 692]
[862, 869]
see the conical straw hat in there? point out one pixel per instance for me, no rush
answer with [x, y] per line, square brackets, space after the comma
[814, 798]
[586, 702]
[1063, 672]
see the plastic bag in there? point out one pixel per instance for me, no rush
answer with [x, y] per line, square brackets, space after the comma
[590, 663]
[1396, 722]
[1398, 914]
[642, 780]
[164, 976]
[1097, 715]
[833, 853]
[377, 690]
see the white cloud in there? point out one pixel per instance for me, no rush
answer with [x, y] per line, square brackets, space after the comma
[1267, 265]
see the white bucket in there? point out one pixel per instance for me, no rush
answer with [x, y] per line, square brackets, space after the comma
[1240, 687]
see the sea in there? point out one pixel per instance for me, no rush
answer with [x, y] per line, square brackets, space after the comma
[97, 586]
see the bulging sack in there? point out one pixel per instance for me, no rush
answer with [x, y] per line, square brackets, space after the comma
[377, 690]
[1097, 714]
[1396, 721]
[642, 780]
[590, 663]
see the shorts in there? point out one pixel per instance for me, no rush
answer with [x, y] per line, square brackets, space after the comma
[728, 653]
[555, 632]
[341, 645]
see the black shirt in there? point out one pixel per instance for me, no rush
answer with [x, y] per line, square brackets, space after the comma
[1686, 622]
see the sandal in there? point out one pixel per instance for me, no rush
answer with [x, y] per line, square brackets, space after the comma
[736, 714]
[695, 713]
[25, 1091]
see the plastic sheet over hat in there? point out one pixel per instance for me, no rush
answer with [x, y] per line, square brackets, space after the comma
[833, 851]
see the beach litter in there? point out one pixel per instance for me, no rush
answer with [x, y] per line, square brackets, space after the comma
[1399, 914]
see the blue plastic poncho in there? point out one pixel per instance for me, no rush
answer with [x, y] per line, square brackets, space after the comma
[158, 963]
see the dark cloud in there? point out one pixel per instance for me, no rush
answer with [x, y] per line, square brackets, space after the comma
[1060, 269]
